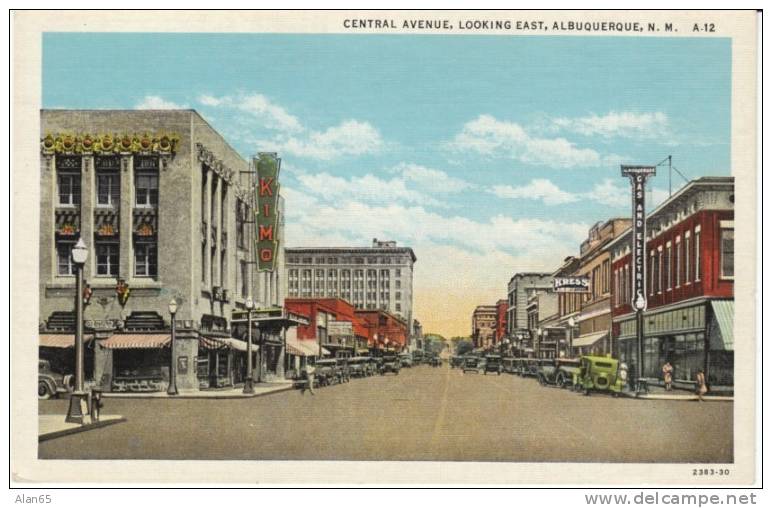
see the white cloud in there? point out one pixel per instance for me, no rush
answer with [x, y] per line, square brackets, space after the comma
[367, 188]
[350, 137]
[259, 107]
[539, 189]
[616, 194]
[488, 136]
[157, 102]
[431, 179]
[618, 124]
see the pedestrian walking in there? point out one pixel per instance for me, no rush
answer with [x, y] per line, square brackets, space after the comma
[310, 371]
[702, 386]
[667, 375]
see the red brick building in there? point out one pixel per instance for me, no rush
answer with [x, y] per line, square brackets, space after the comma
[690, 285]
[501, 320]
[333, 325]
[384, 329]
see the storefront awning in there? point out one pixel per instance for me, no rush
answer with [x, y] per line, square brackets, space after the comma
[723, 310]
[60, 340]
[295, 349]
[212, 343]
[238, 345]
[136, 341]
[588, 339]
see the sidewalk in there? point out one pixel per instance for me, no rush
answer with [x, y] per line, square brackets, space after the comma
[226, 393]
[659, 393]
[53, 426]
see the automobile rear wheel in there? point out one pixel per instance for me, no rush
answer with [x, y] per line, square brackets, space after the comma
[560, 380]
[586, 391]
[44, 391]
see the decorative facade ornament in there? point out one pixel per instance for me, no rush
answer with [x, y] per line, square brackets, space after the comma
[122, 291]
[102, 144]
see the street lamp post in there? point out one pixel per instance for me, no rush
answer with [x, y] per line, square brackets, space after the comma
[248, 385]
[79, 400]
[571, 324]
[172, 388]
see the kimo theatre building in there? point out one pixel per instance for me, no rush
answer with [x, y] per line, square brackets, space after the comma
[689, 320]
[163, 204]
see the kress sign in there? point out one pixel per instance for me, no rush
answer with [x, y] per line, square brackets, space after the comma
[267, 167]
[571, 284]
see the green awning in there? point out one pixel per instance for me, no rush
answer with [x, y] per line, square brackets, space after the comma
[723, 337]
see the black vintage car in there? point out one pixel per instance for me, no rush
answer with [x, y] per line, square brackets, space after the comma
[343, 372]
[472, 364]
[456, 361]
[418, 357]
[359, 366]
[330, 371]
[561, 372]
[390, 363]
[493, 364]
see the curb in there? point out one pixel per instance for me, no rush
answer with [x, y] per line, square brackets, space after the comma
[691, 398]
[83, 428]
[193, 396]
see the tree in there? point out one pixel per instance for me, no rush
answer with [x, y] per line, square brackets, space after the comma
[463, 346]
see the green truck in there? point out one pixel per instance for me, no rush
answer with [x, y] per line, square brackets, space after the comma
[601, 374]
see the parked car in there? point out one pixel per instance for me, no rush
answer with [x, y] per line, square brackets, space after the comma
[52, 383]
[343, 372]
[492, 364]
[358, 366]
[418, 357]
[327, 371]
[562, 372]
[601, 373]
[471, 364]
[434, 360]
[509, 364]
[406, 360]
[390, 363]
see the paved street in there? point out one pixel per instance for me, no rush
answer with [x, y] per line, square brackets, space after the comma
[423, 414]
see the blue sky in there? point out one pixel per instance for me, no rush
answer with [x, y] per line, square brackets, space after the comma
[488, 154]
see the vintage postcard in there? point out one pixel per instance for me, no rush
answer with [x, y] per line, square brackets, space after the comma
[370, 247]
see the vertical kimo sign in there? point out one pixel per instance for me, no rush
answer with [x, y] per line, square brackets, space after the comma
[638, 176]
[267, 210]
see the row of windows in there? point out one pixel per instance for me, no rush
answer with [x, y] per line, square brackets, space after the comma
[107, 258]
[108, 189]
[372, 260]
[345, 277]
[675, 264]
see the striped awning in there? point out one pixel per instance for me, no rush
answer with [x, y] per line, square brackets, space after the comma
[212, 343]
[295, 349]
[723, 310]
[588, 339]
[136, 341]
[60, 340]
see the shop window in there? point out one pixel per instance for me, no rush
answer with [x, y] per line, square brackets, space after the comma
[146, 190]
[145, 259]
[727, 253]
[107, 259]
[64, 263]
[69, 189]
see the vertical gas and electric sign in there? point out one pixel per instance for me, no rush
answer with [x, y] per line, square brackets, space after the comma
[267, 211]
[638, 176]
